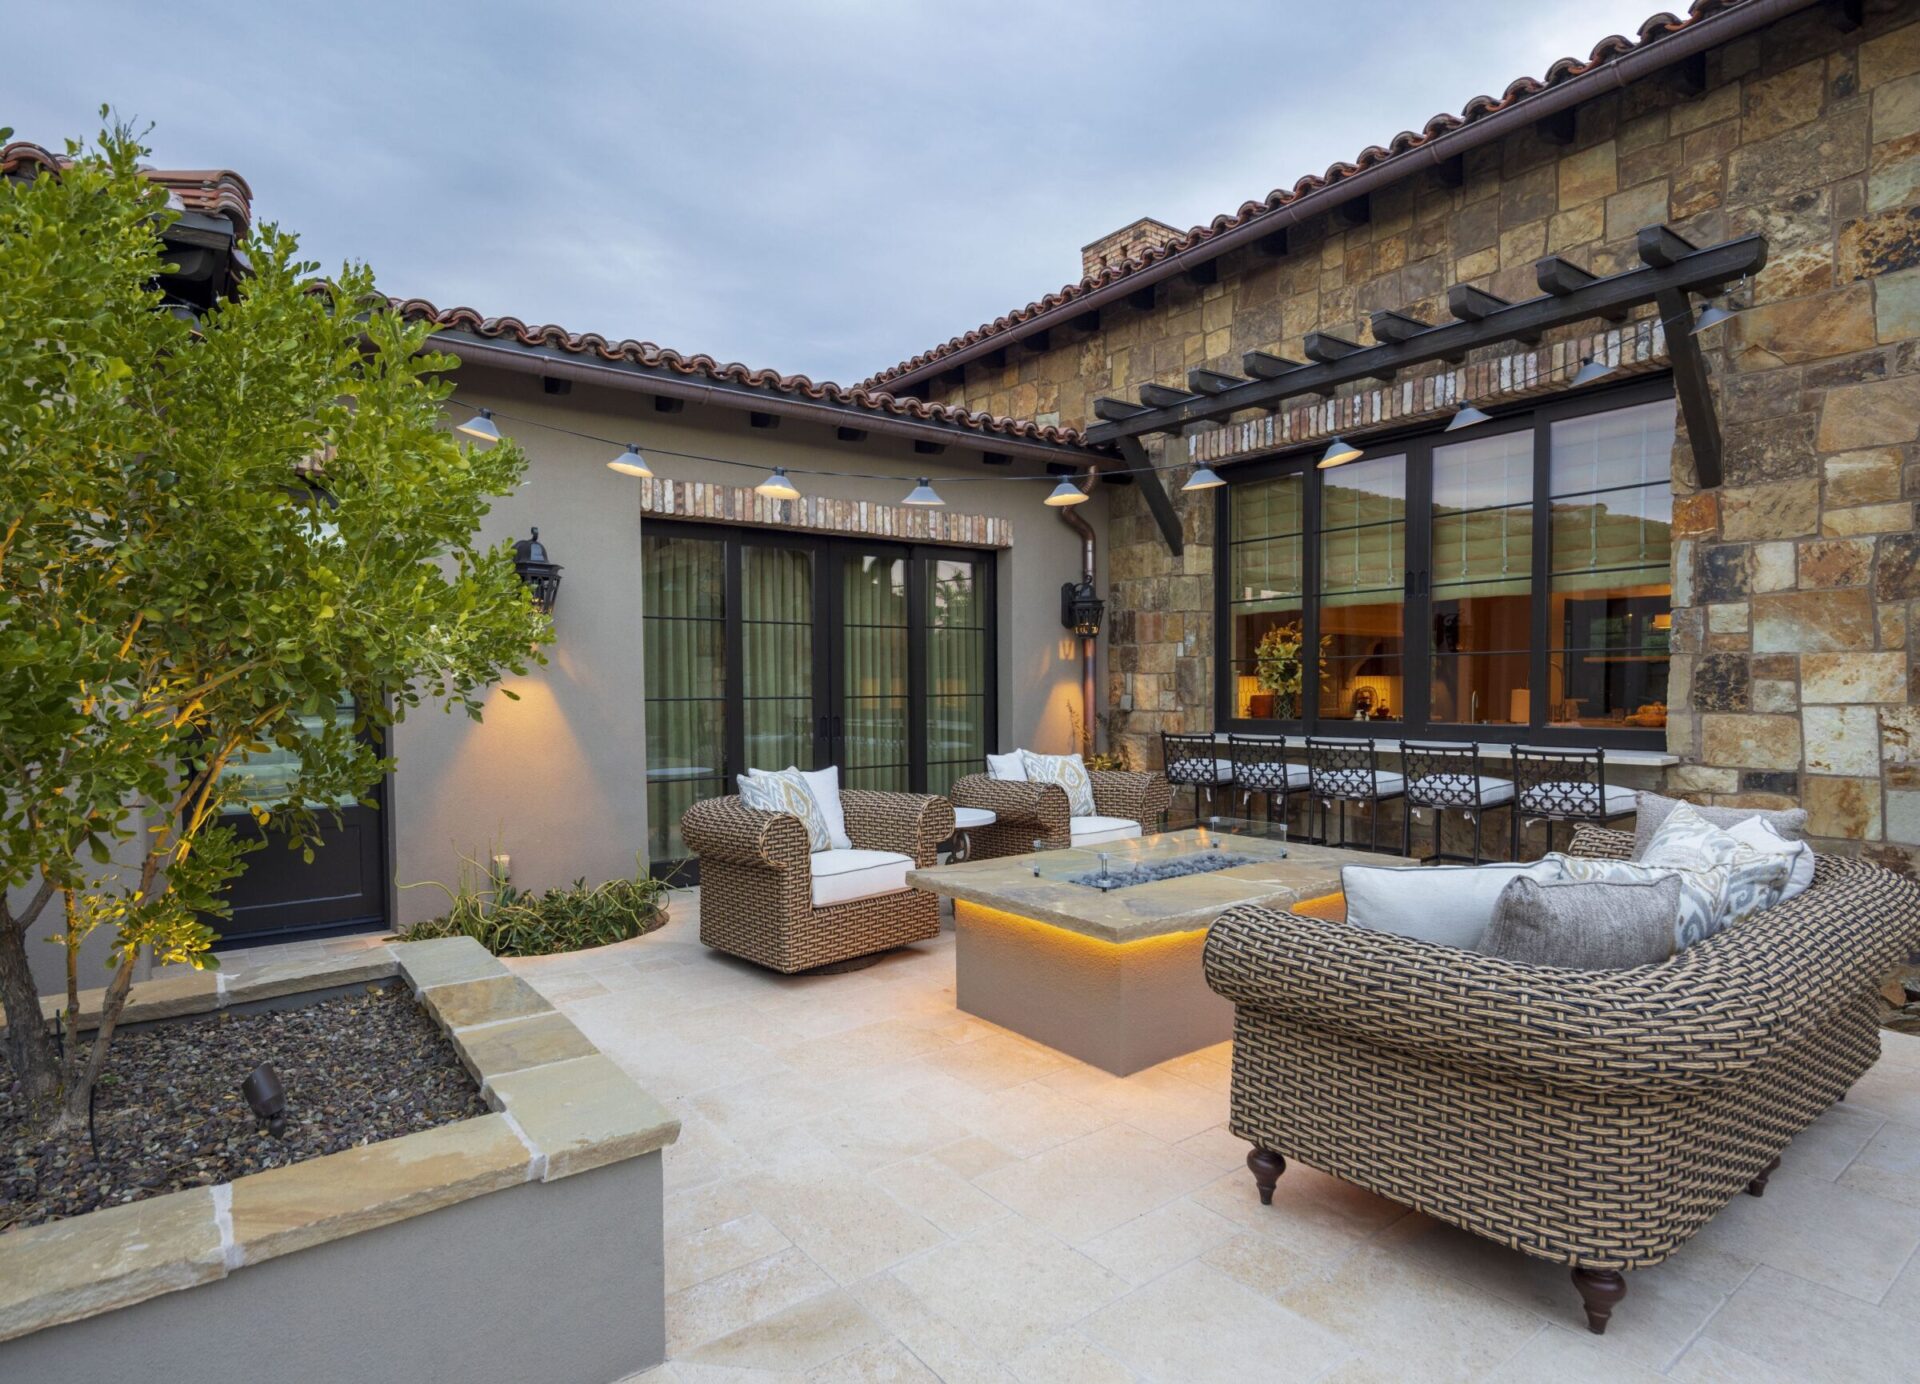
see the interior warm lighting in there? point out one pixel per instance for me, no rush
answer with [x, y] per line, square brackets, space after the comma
[1663, 621]
[1467, 417]
[777, 486]
[1066, 493]
[480, 427]
[1203, 478]
[1339, 452]
[923, 494]
[631, 463]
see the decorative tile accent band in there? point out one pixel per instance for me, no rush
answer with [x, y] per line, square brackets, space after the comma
[741, 504]
[1634, 350]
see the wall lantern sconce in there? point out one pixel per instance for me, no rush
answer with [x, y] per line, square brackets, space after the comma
[1080, 609]
[541, 576]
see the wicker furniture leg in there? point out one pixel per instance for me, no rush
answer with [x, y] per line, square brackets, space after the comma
[1266, 1167]
[1601, 1291]
[1758, 1187]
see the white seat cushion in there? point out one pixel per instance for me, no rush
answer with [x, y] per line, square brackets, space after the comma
[841, 876]
[1262, 777]
[1089, 831]
[1557, 796]
[1196, 771]
[967, 818]
[1454, 787]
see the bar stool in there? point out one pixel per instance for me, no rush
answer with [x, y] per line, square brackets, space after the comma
[1194, 761]
[1348, 771]
[1554, 785]
[1447, 778]
[1260, 765]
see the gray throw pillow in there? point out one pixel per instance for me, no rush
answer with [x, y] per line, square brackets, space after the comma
[1790, 823]
[1587, 925]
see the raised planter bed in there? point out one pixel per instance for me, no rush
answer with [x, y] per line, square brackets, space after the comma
[521, 1244]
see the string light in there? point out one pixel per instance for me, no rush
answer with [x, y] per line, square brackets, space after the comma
[777, 486]
[480, 427]
[631, 463]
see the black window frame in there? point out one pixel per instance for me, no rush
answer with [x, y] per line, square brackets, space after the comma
[1418, 445]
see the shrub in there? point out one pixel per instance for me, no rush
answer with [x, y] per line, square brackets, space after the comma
[513, 922]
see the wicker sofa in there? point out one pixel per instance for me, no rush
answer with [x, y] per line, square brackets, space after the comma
[759, 896]
[1592, 1118]
[1028, 812]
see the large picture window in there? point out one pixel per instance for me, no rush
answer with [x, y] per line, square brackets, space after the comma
[1509, 582]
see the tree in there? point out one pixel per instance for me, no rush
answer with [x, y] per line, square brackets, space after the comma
[213, 532]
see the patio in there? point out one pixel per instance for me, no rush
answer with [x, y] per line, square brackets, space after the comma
[871, 1185]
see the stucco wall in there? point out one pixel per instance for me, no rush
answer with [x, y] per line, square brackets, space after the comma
[1793, 583]
[557, 779]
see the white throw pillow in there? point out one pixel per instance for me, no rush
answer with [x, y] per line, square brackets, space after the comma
[824, 784]
[786, 790]
[1447, 904]
[1688, 841]
[1068, 771]
[1759, 834]
[1008, 766]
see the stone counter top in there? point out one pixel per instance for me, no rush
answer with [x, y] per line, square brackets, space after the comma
[1390, 745]
[560, 1107]
[1157, 909]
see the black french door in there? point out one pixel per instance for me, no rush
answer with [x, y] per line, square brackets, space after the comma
[765, 650]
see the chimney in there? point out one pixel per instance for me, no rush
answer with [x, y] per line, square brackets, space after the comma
[1116, 248]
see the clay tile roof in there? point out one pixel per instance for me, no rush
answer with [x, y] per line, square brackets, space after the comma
[705, 367]
[1657, 27]
[212, 191]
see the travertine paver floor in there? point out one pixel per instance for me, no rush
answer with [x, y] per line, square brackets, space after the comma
[871, 1185]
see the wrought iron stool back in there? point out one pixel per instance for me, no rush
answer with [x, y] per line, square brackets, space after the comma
[1446, 777]
[1562, 785]
[1196, 762]
[1348, 771]
[1262, 765]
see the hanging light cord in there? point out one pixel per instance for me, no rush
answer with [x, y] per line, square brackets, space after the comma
[1647, 324]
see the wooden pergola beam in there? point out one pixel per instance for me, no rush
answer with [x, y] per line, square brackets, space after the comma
[1159, 504]
[1697, 271]
[1662, 248]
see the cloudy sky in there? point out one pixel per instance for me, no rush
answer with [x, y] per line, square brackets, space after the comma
[819, 187]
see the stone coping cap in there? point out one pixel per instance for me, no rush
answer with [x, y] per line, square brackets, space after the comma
[1183, 904]
[560, 1106]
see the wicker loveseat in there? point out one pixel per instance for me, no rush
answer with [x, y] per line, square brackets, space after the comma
[758, 889]
[1029, 812]
[1593, 1118]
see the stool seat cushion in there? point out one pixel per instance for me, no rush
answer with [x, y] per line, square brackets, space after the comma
[1456, 790]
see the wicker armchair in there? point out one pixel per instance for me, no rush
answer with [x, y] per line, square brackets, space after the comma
[1592, 1118]
[1029, 812]
[757, 886]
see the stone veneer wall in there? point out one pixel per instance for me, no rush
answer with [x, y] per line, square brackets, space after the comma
[1794, 582]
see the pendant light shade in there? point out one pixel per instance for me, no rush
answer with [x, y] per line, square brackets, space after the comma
[1066, 493]
[1203, 478]
[1339, 452]
[777, 486]
[1591, 371]
[631, 463]
[923, 494]
[1711, 316]
[1467, 417]
[480, 427]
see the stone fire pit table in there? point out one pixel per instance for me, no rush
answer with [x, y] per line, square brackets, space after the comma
[1112, 975]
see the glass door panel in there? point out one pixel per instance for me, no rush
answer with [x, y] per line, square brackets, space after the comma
[873, 672]
[956, 700]
[776, 656]
[684, 628]
[1482, 581]
[1266, 599]
[1363, 577]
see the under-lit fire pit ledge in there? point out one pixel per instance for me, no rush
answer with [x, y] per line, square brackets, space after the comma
[421, 1257]
[1099, 958]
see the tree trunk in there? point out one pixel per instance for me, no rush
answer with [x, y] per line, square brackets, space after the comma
[29, 1045]
[80, 1091]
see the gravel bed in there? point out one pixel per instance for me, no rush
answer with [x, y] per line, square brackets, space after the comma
[169, 1115]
